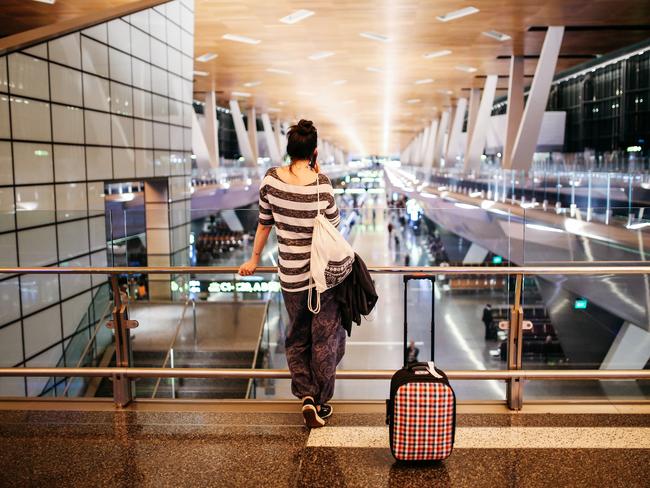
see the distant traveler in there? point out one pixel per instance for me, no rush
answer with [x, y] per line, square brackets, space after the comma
[315, 343]
[487, 321]
[390, 231]
[412, 354]
[407, 259]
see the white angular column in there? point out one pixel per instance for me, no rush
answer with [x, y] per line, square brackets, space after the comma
[271, 141]
[515, 107]
[440, 139]
[424, 145]
[453, 145]
[431, 147]
[630, 349]
[240, 131]
[199, 146]
[282, 148]
[474, 102]
[475, 254]
[211, 128]
[340, 158]
[479, 134]
[531, 123]
[252, 133]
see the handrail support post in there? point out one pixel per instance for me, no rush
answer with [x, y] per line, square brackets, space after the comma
[514, 387]
[122, 384]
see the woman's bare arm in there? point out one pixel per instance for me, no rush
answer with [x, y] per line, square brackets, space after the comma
[261, 236]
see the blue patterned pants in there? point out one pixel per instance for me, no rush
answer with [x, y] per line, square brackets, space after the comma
[315, 345]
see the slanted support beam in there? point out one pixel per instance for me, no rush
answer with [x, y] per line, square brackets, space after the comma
[472, 112]
[479, 134]
[431, 146]
[453, 144]
[278, 137]
[438, 151]
[271, 141]
[531, 122]
[211, 128]
[252, 133]
[423, 145]
[240, 130]
[515, 107]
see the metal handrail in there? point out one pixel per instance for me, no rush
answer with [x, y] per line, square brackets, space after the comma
[638, 269]
[382, 374]
[123, 374]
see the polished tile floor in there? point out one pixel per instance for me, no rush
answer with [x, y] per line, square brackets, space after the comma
[228, 449]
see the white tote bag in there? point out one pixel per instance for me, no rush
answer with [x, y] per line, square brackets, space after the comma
[331, 257]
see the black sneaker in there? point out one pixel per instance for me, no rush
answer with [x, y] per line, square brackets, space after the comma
[310, 414]
[325, 411]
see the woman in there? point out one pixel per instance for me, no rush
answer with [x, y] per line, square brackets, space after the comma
[290, 198]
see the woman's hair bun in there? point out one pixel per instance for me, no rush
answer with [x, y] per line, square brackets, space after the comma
[305, 127]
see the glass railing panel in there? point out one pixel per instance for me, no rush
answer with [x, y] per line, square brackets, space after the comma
[44, 318]
[588, 322]
[378, 343]
[591, 234]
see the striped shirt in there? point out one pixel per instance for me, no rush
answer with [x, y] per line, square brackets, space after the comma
[292, 209]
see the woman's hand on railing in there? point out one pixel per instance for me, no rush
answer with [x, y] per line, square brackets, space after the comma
[248, 268]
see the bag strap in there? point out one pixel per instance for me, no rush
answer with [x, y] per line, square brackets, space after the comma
[317, 193]
[313, 309]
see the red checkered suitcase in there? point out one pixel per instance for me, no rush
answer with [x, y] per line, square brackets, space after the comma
[421, 411]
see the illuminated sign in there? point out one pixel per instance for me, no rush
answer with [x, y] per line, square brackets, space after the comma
[194, 286]
[244, 286]
[580, 304]
[497, 260]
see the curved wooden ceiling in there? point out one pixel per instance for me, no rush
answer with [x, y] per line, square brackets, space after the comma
[371, 112]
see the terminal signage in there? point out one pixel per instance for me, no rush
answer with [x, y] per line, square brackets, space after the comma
[243, 286]
[497, 260]
[580, 304]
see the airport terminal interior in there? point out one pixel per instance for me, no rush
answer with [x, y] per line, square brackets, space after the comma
[490, 160]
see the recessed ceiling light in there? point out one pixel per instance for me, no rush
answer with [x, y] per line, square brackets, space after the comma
[278, 71]
[251, 84]
[374, 36]
[499, 36]
[273, 109]
[296, 16]
[204, 58]
[413, 100]
[446, 92]
[466, 69]
[201, 73]
[321, 55]
[374, 69]
[457, 14]
[51, 2]
[339, 82]
[240, 94]
[425, 81]
[244, 39]
[281, 102]
[436, 54]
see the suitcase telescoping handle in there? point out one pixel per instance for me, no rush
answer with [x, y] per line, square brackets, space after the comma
[419, 276]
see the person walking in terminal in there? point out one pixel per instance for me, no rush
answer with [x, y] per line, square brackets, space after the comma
[290, 198]
[487, 321]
